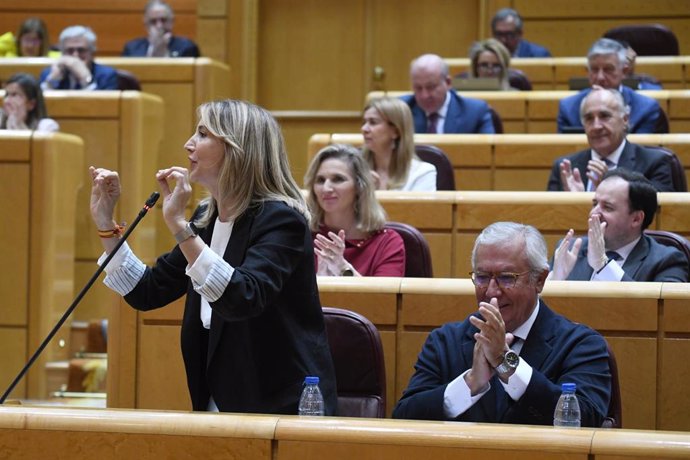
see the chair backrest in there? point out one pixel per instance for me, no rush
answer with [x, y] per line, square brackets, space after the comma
[662, 125]
[614, 417]
[680, 181]
[671, 239]
[445, 177]
[519, 80]
[496, 119]
[357, 354]
[127, 80]
[417, 252]
[647, 39]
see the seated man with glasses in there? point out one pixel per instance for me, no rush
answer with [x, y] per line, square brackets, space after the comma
[75, 69]
[506, 362]
[160, 42]
[506, 27]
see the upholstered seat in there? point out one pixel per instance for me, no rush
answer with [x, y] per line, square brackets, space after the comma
[417, 253]
[127, 80]
[647, 39]
[614, 417]
[358, 359]
[680, 183]
[445, 177]
[671, 239]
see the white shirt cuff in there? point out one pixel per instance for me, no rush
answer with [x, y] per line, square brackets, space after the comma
[517, 383]
[124, 270]
[611, 272]
[458, 398]
[210, 274]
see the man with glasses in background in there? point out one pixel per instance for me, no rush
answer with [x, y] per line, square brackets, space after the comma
[158, 21]
[506, 27]
[75, 69]
[505, 363]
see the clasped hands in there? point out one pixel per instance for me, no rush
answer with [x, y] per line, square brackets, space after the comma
[67, 64]
[491, 343]
[330, 254]
[565, 257]
[571, 180]
[159, 39]
[16, 114]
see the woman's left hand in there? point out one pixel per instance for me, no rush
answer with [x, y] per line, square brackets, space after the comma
[174, 200]
[16, 115]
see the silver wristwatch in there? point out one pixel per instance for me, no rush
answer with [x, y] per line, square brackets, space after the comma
[510, 362]
[189, 231]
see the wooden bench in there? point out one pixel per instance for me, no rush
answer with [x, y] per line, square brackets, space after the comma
[39, 175]
[536, 111]
[114, 23]
[508, 161]
[553, 73]
[181, 83]
[149, 435]
[633, 317]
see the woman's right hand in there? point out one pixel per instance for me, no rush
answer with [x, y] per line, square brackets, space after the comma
[105, 191]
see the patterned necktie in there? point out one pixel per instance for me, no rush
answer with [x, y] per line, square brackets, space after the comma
[432, 119]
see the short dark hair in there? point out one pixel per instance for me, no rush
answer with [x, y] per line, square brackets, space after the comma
[505, 13]
[641, 193]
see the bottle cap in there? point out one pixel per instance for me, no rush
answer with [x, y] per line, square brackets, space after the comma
[568, 387]
[311, 380]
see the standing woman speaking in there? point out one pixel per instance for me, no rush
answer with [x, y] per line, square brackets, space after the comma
[253, 326]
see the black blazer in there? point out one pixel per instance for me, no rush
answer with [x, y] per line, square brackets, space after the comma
[653, 164]
[178, 47]
[267, 329]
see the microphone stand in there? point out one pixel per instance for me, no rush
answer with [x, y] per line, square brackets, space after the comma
[148, 205]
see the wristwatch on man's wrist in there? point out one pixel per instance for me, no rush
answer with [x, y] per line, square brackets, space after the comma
[510, 362]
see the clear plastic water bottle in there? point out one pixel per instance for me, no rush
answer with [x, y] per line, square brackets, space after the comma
[567, 413]
[311, 401]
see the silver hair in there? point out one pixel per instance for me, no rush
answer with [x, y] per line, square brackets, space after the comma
[606, 46]
[505, 13]
[154, 3]
[430, 59]
[76, 32]
[503, 233]
[621, 107]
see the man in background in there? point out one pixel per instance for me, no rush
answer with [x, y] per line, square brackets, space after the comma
[506, 27]
[75, 68]
[436, 107]
[158, 21]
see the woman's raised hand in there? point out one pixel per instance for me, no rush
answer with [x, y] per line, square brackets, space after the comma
[175, 199]
[105, 191]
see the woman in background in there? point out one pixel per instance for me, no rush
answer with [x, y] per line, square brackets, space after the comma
[490, 59]
[32, 38]
[348, 223]
[253, 327]
[388, 132]
[24, 107]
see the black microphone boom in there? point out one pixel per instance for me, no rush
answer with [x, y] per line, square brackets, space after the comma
[148, 205]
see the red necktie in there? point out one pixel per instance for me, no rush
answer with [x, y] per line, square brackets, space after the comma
[431, 123]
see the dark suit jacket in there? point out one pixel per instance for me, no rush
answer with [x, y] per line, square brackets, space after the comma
[644, 111]
[267, 329]
[104, 76]
[655, 165]
[464, 116]
[178, 47]
[527, 49]
[648, 261]
[557, 349]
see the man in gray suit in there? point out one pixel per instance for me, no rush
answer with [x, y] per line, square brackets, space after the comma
[616, 249]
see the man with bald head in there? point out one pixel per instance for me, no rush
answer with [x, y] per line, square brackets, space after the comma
[606, 63]
[605, 117]
[436, 108]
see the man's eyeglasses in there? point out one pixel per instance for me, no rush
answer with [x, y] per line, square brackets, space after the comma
[507, 35]
[505, 280]
[76, 49]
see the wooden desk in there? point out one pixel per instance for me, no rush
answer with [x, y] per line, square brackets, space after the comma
[508, 161]
[536, 111]
[39, 177]
[553, 73]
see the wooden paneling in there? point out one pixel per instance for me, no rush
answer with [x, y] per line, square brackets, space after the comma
[114, 23]
[39, 178]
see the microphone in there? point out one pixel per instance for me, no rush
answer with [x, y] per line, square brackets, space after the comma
[148, 205]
